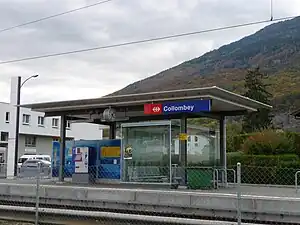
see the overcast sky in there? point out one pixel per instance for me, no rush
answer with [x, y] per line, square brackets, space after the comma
[94, 74]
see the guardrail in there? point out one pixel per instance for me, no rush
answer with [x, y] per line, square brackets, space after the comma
[216, 177]
[296, 180]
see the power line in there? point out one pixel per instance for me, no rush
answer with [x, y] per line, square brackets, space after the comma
[145, 40]
[53, 16]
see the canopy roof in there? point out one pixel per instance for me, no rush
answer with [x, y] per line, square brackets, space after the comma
[223, 101]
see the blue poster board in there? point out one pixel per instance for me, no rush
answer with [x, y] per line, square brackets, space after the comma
[110, 159]
[104, 158]
[69, 162]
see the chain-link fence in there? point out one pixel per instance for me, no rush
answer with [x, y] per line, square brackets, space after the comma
[153, 195]
[271, 191]
[3, 168]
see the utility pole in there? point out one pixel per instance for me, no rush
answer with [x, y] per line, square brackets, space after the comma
[17, 126]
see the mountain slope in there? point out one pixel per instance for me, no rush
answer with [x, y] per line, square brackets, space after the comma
[276, 49]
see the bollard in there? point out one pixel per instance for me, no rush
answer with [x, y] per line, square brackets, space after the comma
[37, 199]
[239, 213]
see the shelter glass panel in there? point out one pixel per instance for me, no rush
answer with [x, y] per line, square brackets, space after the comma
[203, 145]
[146, 152]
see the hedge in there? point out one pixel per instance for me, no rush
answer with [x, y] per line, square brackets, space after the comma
[262, 160]
[266, 169]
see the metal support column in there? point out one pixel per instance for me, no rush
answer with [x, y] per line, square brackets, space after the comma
[223, 160]
[183, 148]
[112, 130]
[63, 123]
[17, 127]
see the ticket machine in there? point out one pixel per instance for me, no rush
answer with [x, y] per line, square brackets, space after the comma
[84, 159]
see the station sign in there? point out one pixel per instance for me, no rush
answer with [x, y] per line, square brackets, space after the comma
[192, 106]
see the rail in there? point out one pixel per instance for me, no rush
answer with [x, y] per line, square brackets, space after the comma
[296, 180]
[116, 216]
[234, 175]
[216, 177]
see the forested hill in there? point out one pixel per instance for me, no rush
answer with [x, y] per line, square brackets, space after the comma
[275, 49]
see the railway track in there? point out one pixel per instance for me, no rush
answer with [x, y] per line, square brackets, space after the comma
[131, 212]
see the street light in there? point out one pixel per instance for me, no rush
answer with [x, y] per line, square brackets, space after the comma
[33, 76]
[19, 86]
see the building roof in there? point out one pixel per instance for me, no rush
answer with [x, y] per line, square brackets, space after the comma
[222, 100]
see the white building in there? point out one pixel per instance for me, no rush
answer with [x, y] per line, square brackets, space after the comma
[36, 131]
[202, 145]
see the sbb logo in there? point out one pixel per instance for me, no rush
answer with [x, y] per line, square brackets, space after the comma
[152, 109]
[156, 109]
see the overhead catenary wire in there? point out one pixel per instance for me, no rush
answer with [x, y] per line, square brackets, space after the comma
[144, 40]
[53, 16]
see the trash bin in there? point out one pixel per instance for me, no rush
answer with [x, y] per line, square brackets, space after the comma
[200, 178]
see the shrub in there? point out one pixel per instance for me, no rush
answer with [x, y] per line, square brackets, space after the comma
[268, 142]
[238, 141]
[294, 138]
[233, 129]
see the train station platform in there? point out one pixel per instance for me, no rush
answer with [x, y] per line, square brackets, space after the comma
[258, 203]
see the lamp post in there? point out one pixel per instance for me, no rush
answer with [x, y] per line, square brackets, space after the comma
[19, 86]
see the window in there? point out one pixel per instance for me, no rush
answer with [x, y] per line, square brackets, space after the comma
[7, 117]
[47, 159]
[4, 136]
[68, 125]
[26, 119]
[55, 122]
[41, 121]
[30, 141]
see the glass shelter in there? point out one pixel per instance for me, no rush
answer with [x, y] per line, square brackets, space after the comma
[152, 152]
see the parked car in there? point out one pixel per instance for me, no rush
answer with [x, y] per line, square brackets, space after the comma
[35, 167]
[26, 157]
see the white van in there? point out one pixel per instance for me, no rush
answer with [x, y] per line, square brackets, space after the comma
[25, 157]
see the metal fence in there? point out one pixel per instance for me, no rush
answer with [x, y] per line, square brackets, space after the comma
[3, 168]
[242, 185]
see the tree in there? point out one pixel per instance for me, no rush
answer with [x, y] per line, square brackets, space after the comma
[256, 89]
[232, 130]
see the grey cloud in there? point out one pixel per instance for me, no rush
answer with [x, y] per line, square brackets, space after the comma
[100, 72]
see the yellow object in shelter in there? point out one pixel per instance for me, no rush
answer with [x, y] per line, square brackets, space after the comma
[107, 152]
[183, 137]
